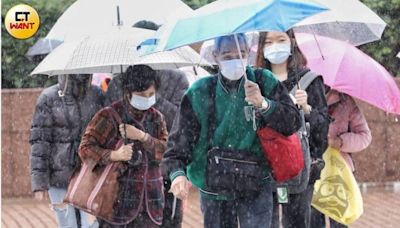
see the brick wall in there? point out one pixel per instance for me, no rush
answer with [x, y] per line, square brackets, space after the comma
[379, 163]
[17, 109]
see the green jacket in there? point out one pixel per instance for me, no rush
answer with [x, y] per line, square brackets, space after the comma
[188, 141]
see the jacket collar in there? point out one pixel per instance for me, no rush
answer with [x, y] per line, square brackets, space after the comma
[230, 86]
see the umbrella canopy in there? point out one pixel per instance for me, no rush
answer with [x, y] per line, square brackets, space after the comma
[111, 53]
[226, 17]
[42, 47]
[89, 17]
[347, 20]
[347, 69]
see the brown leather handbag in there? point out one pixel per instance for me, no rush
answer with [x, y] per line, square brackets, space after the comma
[93, 188]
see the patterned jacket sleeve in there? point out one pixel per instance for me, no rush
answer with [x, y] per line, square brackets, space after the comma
[93, 146]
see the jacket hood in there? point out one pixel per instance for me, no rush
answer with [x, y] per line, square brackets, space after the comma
[74, 85]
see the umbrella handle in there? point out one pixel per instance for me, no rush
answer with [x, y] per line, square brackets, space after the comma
[173, 208]
[240, 55]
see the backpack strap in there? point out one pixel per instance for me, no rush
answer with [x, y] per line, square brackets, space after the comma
[116, 118]
[305, 81]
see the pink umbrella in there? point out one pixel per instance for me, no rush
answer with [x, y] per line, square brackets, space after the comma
[347, 69]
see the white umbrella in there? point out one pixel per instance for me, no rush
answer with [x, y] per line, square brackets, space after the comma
[111, 53]
[89, 17]
[347, 20]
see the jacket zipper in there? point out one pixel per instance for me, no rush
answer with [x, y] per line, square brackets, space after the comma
[217, 158]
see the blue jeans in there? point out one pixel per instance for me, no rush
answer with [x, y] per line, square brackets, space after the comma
[65, 214]
[248, 212]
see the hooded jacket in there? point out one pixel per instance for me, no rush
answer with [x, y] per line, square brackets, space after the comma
[57, 125]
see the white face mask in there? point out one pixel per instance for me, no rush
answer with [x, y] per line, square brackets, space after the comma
[142, 103]
[233, 69]
[277, 53]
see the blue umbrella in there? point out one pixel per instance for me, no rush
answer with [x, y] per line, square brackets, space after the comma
[227, 17]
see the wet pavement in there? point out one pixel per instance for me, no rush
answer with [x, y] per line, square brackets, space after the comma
[381, 210]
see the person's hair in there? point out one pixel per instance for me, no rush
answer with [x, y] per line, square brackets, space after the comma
[295, 60]
[241, 39]
[327, 89]
[146, 25]
[138, 78]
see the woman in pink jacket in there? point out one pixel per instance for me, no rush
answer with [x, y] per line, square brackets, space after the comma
[348, 132]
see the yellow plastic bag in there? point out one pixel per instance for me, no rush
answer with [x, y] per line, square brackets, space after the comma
[337, 194]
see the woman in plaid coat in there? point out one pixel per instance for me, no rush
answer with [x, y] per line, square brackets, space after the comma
[140, 198]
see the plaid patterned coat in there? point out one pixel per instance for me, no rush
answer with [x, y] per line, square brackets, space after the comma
[141, 186]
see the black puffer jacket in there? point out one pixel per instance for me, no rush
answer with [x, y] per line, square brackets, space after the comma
[173, 84]
[57, 126]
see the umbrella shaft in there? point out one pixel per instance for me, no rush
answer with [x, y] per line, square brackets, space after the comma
[240, 55]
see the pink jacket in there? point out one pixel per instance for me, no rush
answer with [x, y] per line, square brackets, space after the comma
[349, 124]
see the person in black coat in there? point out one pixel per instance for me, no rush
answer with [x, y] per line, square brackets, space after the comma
[61, 115]
[279, 52]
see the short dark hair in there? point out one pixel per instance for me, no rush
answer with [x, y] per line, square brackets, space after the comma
[295, 61]
[139, 78]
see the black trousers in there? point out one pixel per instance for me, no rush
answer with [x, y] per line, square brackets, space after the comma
[141, 221]
[296, 213]
[318, 220]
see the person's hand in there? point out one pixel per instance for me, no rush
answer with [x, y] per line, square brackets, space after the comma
[124, 153]
[301, 98]
[40, 195]
[131, 132]
[335, 142]
[253, 94]
[180, 187]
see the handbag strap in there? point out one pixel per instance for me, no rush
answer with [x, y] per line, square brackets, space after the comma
[116, 118]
